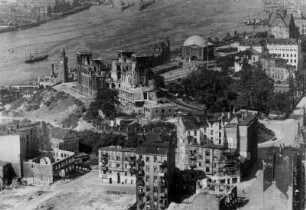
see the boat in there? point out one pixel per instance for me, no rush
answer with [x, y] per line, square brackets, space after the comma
[11, 50]
[143, 5]
[124, 6]
[36, 58]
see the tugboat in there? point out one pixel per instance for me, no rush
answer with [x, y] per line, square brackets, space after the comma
[36, 58]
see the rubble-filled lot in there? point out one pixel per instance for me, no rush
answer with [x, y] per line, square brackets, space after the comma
[85, 192]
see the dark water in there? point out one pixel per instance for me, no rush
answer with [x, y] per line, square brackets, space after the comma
[104, 30]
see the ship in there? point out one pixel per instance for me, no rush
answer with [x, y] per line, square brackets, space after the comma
[143, 5]
[36, 58]
[126, 6]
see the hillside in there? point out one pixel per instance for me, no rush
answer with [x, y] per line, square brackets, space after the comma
[55, 107]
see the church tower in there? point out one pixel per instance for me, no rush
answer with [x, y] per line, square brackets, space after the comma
[63, 67]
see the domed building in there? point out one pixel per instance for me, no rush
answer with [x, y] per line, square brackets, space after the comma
[197, 48]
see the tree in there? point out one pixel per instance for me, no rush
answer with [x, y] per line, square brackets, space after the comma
[106, 101]
[255, 88]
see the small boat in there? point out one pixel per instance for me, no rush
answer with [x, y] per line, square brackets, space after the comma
[11, 50]
[36, 58]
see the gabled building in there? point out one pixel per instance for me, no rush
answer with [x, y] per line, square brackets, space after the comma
[64, 139]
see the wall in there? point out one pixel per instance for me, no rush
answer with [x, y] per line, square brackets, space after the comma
[10, 152]
[38, 172]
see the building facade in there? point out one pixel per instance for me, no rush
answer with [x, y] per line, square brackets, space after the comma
[288, 49]
[195, 48]
[64, 139]
[117, 165]
[154, 175]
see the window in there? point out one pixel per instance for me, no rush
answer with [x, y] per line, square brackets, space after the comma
[147, 168]
[207, 153]
[234, 180]
[207, 161]
[125, 173]
[147, 159]
[207, 169]
[200, 164]
[118, 165]
[195, 133]
[211, 132]
[147, 178]
[222, 181]
[155, 159]
[155, 169]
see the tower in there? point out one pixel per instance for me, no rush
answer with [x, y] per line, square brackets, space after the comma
[63, 67]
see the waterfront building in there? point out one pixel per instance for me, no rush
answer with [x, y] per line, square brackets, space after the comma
[91, 74]
[195, 48]
[117, 165]
[154, 175]
[288, 49]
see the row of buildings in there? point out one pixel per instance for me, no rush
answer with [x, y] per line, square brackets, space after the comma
[36, 153]
[209, 156]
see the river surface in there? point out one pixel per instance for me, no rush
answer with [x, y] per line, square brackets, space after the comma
[104, 30]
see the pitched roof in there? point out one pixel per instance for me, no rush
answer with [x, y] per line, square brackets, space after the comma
[59, 133]
[194, 121]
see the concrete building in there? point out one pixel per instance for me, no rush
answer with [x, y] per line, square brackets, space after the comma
[288, 49]
[154, 175]
[64, 139]
[91, 74]
[117, 165]
[195, 48]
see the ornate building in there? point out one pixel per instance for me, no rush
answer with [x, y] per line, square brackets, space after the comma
[197, 48]
[132, 76]
[91, 74]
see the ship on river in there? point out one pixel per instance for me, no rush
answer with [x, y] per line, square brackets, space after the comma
[143, 4]
[36, 57]
[126, 6]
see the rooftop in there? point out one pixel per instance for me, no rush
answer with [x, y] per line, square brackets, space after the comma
[194, 121]
[270, 41]
[118, 149]
[59, 133]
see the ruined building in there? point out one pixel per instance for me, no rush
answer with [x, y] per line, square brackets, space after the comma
[91, 74]
[132, 77]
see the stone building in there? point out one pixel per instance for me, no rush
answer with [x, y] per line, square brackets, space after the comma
[154, 175]
[132, 76]
[195, 48]
[117, 165]
[91, 74]
[64, 139]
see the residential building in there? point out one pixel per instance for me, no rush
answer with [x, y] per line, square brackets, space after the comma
[64, 139]
[195, 48]
[117, 165]
[91, 74]
[217, 144]
[288, 49]
[154, 175]
[249, 56]
[277, 68]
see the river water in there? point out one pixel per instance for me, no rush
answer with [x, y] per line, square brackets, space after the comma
[104, 30]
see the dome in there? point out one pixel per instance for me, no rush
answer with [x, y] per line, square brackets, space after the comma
[195, 40]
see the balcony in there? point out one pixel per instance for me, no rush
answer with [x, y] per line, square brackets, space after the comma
[141, 183]
[140, 173]
[140, 163]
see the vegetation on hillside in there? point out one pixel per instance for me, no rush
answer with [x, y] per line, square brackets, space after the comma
[220, 92]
